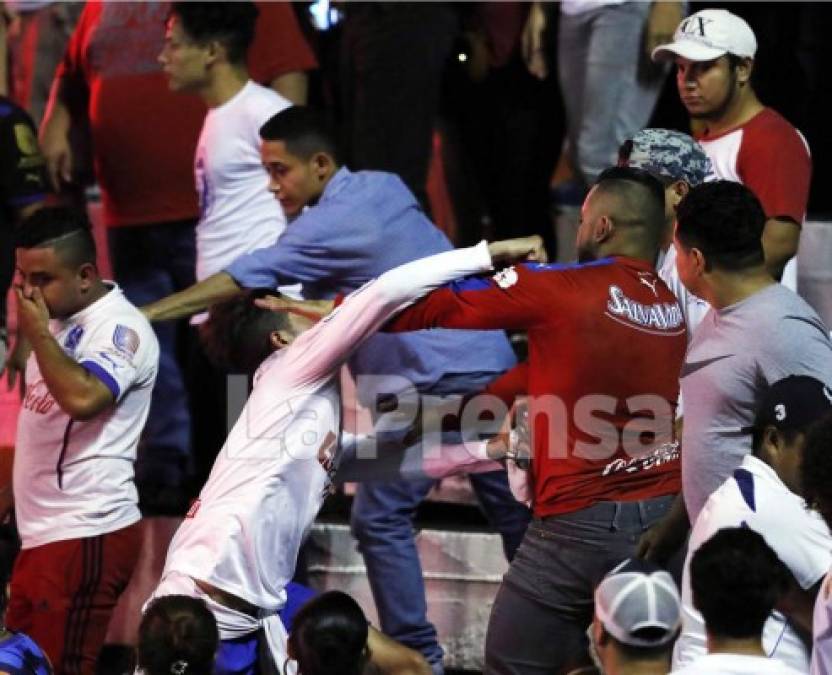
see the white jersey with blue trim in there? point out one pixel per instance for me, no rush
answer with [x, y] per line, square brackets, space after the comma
[270, 478]
[756, 498]
[74, 478]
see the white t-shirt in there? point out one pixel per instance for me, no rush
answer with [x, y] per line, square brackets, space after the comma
[573, 7]
[73, 478]
[756, 498]
[736, 664]
[237, 212]
[693, 307]
[822, 630]
[271, 476]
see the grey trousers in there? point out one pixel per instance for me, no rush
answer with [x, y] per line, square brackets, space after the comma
[609, 86]
[545, 604]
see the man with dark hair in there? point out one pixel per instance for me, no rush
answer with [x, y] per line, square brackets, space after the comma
[597, 482]
[763, 494]
[347, 228]
[747, 142]
[238, 546]
[816, 482]
[206, 44]
[636, 619]
[756, 333]
[88, 386]
[737, 580]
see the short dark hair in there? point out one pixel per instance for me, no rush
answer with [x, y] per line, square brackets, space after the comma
[177, 628]
[816, 467]
[736, 580]
[640, 196]
[231, 23]
[305, 131]
[237, 335]
[725, 221]
[329, 636]
[66, 230]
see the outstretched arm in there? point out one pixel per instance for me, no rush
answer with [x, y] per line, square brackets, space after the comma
[334, 339]
[216, 288]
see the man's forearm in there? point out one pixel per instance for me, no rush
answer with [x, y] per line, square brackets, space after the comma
[79, 393]
[216, 288]
[781, 238]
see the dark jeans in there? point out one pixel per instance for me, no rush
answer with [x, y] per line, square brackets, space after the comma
[545, 604]
[393, 58]
[382, 522]
[149, 263]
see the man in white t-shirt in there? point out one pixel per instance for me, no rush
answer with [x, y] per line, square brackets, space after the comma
[737, 580]
[88, 387]
[816, 482]
[204, 54]
[763, 494]
[238, 545]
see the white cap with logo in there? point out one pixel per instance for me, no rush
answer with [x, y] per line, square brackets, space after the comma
[707, 35]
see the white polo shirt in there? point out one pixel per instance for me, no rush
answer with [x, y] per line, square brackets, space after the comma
[822, 630]
[736, 664]
[73, 478]
[756, 498]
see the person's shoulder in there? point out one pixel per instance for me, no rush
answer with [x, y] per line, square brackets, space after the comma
[770, 129]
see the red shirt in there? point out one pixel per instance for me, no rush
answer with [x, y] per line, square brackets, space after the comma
[768, 155]
[600, 334]
[144, 135]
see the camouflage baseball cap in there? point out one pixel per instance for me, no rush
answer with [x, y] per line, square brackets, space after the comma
[666, 153]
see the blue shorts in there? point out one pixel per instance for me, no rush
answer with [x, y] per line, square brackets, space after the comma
[240, 655]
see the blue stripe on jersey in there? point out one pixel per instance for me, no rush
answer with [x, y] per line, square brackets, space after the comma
[483, 283]
[562, 267]
[105, 377]
[745, 482]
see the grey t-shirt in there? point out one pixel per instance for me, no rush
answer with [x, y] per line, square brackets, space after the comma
[735, 354]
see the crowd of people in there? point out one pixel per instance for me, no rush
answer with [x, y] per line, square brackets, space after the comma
[658, 462]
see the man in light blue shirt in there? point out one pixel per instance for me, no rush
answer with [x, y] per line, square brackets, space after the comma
[345, 229]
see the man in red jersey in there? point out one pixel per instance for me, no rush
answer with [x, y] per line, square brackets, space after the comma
[746, 141]
[606, 343]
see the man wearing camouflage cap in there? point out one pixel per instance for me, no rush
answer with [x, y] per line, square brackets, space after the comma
[680, 163]
[747, 142]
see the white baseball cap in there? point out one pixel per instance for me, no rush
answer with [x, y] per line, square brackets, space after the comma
[638, 604]
[707, 35]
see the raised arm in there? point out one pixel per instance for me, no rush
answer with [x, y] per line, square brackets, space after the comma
[333, 340]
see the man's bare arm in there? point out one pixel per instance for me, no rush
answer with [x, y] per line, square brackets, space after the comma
[780, 240]
[393, 658]
[216, 288]
[293, 86]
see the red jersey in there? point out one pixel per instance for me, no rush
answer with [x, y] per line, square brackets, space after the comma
[144, 135]
[768, 155]
[606, 344]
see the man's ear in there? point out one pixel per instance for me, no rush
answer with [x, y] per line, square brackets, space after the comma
[323, 165]
[87, 274]
[214, 51]
[604, 229]
[744, 69]
[699, 262]
[772, 441]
